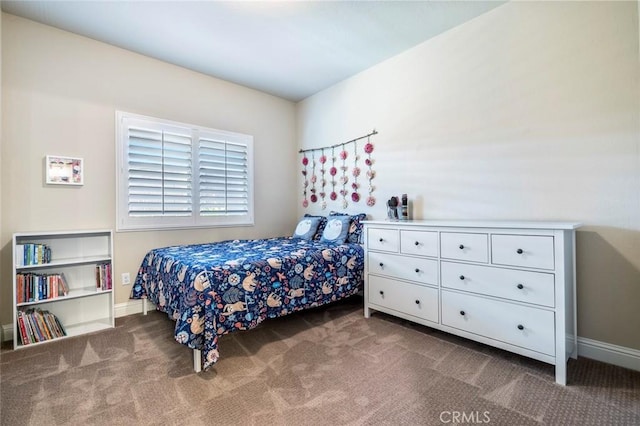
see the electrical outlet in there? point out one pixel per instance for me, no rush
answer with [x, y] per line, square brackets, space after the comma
[126, 278]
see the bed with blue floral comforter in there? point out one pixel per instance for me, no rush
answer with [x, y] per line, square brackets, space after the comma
[215, 288]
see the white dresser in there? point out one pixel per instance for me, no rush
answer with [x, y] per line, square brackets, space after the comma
[505, 284]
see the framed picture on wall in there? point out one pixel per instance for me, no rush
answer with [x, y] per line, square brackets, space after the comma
[64, 170]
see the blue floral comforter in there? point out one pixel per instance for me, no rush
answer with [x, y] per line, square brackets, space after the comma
[216, 288]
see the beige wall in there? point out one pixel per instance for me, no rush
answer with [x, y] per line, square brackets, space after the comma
[59, 96]
[530, 111]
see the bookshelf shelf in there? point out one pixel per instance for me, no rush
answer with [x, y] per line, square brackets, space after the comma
[64, 262]
[81, 292]
[88, 327]
[75, 330]
[84, 261]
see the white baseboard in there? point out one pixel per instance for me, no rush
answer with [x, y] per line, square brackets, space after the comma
[608, 353]
[599, 351]
[131, 307]
[7, 332]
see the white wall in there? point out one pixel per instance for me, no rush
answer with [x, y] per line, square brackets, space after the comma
[59, 96]
[530, 111]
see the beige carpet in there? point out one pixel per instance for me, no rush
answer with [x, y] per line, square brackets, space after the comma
[329, 366]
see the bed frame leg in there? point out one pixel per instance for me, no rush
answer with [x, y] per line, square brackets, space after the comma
[197, 360]
[144, 305]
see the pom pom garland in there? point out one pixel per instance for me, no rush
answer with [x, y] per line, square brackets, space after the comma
[346, 174]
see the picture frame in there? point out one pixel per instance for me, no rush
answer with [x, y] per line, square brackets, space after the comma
[63, 170]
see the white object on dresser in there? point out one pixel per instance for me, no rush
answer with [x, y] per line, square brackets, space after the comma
[506, 284]
[79, 256]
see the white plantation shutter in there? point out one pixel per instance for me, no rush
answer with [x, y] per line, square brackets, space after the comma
[145, 172]
[159, 173]
[173, 175]
[177, 196]
[224, 178]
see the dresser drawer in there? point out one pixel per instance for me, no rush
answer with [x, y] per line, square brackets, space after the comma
[522, 326]
[530, 251]
[404, 267]
[411, 299]
[530, 287]
[420, 243]
[383, 239]
[464, 246]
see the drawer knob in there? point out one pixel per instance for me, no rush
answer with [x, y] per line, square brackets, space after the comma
[381, 264]
[520, 286]
[462, 313]
[461, 246]
[417, 243]
[519, 251]
[417, 302]
[462, 277]
[520, 327]
[381, 293]
[417, 270]
[381, 239]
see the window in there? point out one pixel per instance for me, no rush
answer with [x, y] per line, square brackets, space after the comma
[175, 175]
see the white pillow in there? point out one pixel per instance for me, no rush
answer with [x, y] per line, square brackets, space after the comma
[307, 227]
[336, 229]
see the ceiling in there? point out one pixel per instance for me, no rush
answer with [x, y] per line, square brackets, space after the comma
[291, 49]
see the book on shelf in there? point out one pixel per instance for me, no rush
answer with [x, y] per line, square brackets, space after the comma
[30, 331]
[108, 280]
[19, 254]
[36, 287]
[59, 326]
[103, 277]
[32, 254]
[32, 317]
[63, 286]
[24, 334]
[42, 326]
[98, 278]
[37, 325]
[55, 325]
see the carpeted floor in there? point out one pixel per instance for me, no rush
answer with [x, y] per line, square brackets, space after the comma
[328, 366]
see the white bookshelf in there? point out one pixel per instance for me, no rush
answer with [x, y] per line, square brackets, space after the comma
[76, 254]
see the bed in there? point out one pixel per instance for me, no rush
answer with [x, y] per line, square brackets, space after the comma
[213, 289]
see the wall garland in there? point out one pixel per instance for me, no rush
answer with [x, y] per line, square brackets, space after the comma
[343, 179]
